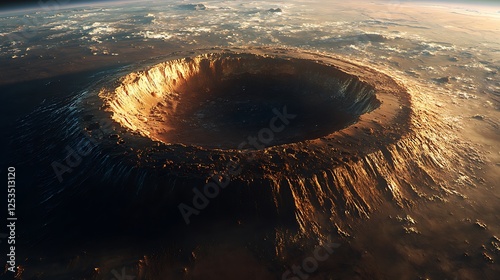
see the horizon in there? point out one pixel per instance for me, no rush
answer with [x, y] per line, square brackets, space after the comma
[29, 4]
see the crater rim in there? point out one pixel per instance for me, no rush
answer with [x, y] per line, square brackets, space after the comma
[354, 90]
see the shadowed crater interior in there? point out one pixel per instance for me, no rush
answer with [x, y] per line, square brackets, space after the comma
[218, 100]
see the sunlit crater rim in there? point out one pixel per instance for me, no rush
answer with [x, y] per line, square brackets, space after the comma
[218, 99]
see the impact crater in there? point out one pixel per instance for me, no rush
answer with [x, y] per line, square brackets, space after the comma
[217, 100]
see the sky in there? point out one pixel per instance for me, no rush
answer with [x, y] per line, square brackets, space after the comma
[37, 3]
